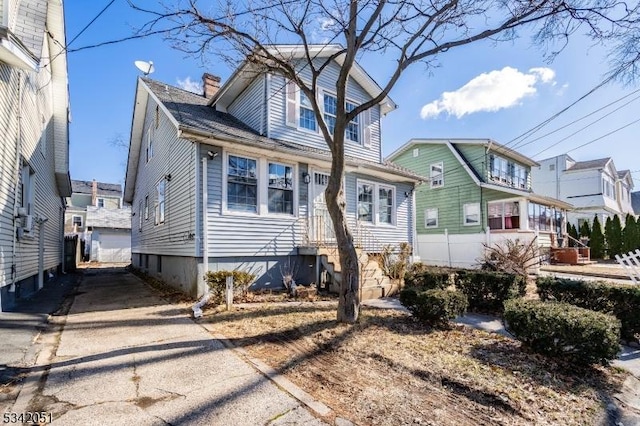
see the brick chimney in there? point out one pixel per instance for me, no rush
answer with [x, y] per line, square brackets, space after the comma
[211, 84]
[94, 193]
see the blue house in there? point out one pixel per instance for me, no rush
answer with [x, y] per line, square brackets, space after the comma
[235, 179]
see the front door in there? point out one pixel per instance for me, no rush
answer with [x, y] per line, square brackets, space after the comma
[321, 225]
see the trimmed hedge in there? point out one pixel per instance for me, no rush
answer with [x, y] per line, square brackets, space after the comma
[488, 290]
[563, 330]
[427, 280]
[434, 307]
[621, 300]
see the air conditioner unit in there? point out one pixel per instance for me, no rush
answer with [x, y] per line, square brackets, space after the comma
[21, 212]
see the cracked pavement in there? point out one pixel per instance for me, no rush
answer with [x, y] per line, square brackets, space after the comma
[125, 356]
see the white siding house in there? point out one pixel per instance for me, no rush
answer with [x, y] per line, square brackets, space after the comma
[34, 159]
[230, 181]
[594, 187]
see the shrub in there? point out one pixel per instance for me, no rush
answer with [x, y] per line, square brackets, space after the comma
[434, 307]
[510, 256]
[217, 281]
[427, 279]
[563, 330]
[621, 300]
[487, 291]
[395, 262]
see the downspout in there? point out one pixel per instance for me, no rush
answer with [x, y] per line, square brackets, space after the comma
[197, 308]
[14, 266]
[266, 105]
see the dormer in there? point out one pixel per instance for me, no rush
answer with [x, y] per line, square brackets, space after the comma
[507, 167]
[276, 108]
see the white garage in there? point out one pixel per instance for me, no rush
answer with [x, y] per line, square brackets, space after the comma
[110, 245]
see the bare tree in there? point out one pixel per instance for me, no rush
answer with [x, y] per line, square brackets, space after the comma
[410, 31]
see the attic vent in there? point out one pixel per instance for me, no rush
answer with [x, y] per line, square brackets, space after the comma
[416, 152]
[552, 167]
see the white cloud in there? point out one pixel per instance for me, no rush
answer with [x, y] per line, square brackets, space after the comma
[190, 86]
[490, 91]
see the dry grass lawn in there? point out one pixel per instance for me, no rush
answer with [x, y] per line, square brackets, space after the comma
[389, 370]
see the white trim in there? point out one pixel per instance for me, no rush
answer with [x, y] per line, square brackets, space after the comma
[294, 188]
[73, 217]
[464, 214]
[433, 178]
[225, 183]
[426, 215]
[375, 216]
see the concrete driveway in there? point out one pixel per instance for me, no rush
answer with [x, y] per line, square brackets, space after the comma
[127, 357]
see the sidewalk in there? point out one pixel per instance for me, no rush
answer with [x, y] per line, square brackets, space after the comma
[20, 329]
[127, 357]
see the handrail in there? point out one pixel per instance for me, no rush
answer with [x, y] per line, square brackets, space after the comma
[365, 239]
[577, 241]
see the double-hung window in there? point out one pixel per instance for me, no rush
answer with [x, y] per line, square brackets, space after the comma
[307, 116]
[437, 175]
[431, 218]
[375, 203]
[77, 221]
[280, 193]
[352, 131]
[160, 192]
[140, 213]
[365, 202]
[242, 184]
[149, 150]
[471, 214]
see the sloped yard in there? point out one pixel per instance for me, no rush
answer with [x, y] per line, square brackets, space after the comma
[389, 370]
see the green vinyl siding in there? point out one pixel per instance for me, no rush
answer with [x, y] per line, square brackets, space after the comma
[459, 187]
[476, 158]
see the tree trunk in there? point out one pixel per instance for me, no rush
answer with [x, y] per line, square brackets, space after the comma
[349, 298]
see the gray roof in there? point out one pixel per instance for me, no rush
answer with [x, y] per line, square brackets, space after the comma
[191, 110]
[600, 163]
[635, 202]
[108, 218]
[623, 173]
[85, 187]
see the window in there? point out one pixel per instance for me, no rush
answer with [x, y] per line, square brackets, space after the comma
[242, 184]
[437, 175]
[352, 132]
[608, 189]
[471, 214]
[280, 194]
[26, 189]
[100, 202]
[540, 217]
[365, 202]
[307, 117]
[504, 215]
[76, 221]
[146, 207]
[385, 205]
[140, 213]
[507, 172]
[431, 218]
[376, 203]
[149, 144]
[160, 190]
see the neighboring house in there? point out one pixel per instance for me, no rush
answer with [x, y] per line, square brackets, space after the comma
[635, 202]
[99, 205]
[479, 192]
[110, 234]
[34, 164]
[237, 178]
[85, 194]
[593, 187]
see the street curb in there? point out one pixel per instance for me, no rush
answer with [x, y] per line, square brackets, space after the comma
[270, 373]
[588, 274]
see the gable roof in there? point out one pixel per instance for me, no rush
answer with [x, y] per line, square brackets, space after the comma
[600, 163]
[247, 72]
[490, 144]
[86, 187]
[194, 118]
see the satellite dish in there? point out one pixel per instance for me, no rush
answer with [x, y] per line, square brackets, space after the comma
[146, 67]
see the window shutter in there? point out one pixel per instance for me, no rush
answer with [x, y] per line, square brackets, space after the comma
[366, 124]
[292, 104]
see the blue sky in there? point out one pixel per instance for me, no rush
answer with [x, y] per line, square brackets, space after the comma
[480, 90]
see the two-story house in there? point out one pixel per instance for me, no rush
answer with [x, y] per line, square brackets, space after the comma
[34, 159]
[593, 187]
[95, 213]
[235, 179]
[478, 193]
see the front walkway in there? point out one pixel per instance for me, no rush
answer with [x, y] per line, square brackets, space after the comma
[127, 357]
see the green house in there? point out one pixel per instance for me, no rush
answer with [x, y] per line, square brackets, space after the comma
[478, 193]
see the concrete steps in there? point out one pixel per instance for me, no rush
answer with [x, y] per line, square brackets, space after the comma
[374, 284]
